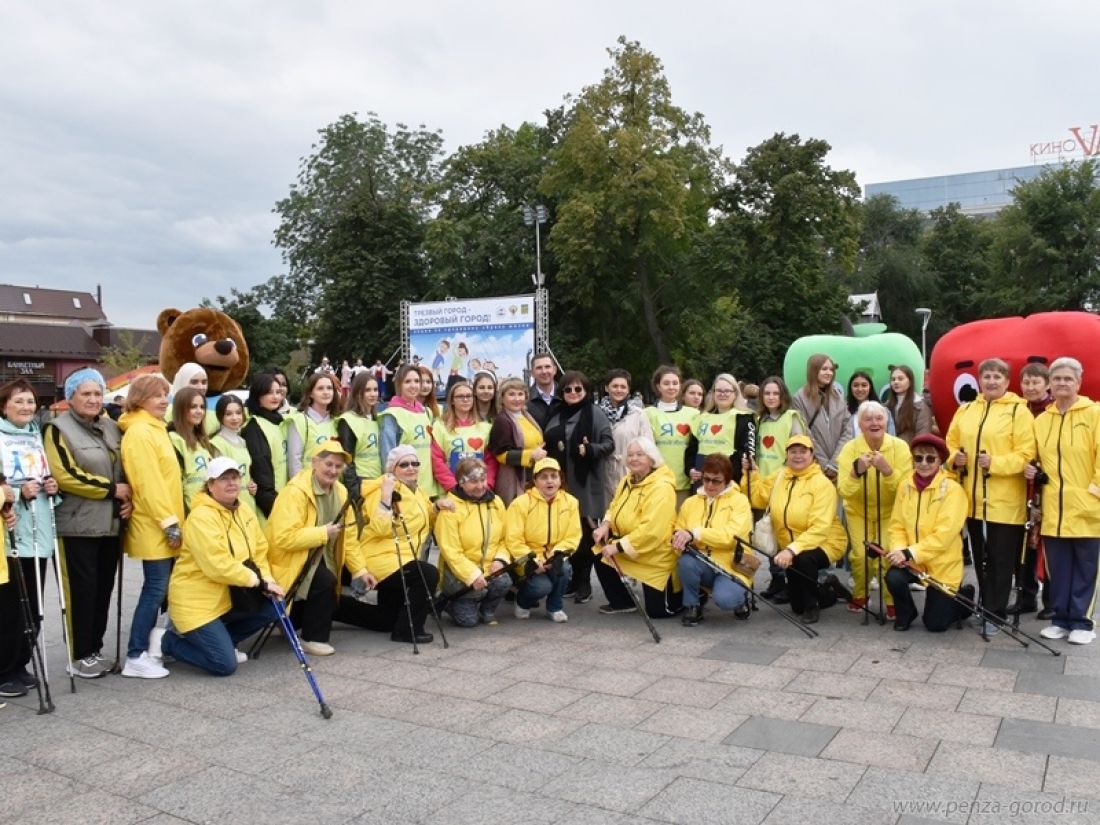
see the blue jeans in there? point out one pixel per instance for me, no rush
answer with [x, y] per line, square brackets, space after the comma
[211, 646]
[549, 585]
[153, 591]
[694, 574]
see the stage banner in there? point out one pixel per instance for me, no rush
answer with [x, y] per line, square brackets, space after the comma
[459, 338]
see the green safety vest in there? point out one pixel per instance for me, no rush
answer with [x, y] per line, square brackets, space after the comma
[464, 442]
[416, 431]
[239, 453]
[368, 460]
[310, 431]
[672, 433]
[193, 464]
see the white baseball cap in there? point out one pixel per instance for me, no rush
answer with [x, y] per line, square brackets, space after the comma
[220, 466]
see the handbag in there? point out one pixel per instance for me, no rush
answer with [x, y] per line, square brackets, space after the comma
[248, 599]
[763, 534]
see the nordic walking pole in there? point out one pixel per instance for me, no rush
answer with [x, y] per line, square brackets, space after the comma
[38, 661]
[423, 581]
[39, 585]
[296, 645]
[878, 540]
[405, 589]
[58, 562]
[985, 543]
[866, 561]
[118, 611]
[634, 598]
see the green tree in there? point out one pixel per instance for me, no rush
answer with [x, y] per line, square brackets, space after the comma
[786, 240]
[1046, 246]
[271, 338]
[633, 177]
[351, 232]
[124, 356]
[955, 251]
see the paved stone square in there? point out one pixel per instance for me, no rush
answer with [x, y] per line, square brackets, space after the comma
[587, 722]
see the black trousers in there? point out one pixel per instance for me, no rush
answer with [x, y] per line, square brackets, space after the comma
[582, 560]
[1028, 581]
[995, 560]
[659, 604]
[89, 567]
[313, 617]
[390, 614]
[15, 651]
[940, 610]
[803, 589]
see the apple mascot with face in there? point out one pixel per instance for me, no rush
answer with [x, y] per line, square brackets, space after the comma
[1038, 338]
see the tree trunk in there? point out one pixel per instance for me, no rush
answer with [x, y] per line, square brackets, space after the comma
[649, 306]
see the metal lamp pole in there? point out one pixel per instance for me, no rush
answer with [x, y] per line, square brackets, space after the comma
[926, 314]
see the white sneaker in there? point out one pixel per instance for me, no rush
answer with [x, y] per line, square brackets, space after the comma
[144, 667]
[242, 657]
[156, 636]
[522, 612]
[318, 648]
[557, 616]
[1054, 632]
[917, 587]
[1081, 636]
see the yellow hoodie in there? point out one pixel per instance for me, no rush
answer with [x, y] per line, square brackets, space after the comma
[803, 510]
[641, 517]
[533, 524]
[1004, 429]
[850, 489]
[714, 522]
[153, 471]
[292, 529]
[1069, 451]
[930, 522]
[375, 551]
[472, 537]
[216, 543]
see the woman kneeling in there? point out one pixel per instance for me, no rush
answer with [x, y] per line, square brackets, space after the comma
[223, 547]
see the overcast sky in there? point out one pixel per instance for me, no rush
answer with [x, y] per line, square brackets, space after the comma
[143, 145]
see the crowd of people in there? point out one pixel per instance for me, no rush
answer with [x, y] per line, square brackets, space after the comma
[338, 505]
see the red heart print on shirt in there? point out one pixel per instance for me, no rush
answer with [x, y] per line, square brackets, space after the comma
[715, 429]
[475, 442]
[769, 441]
[683, 429]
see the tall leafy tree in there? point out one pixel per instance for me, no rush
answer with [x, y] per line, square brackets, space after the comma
[351, 231]
[272, 338]
[955, 252]
[1046, 247]
[633, 177]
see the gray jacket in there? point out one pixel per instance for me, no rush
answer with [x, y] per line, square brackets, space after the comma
[85, 459]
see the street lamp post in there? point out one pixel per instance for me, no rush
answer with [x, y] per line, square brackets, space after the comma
[535, 216]
[925, 313]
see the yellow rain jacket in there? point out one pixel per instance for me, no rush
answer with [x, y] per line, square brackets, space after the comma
[472, 537]
[714, 522]
[217, 541]
[153, 472]
[1069, 451]
[292, 529]
[374, 551]
[642, 516]
[533, 524]
[930, 523]
[1004, 429]
[850, 489]
[803, 510]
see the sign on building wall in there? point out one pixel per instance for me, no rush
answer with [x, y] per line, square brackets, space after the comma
[459, 338]
[1082, 141]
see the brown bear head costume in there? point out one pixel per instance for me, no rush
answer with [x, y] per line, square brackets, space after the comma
[207, 337]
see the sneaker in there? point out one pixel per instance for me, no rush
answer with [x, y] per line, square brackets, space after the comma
[874, 584]
[557, 616]
[13, 688]
[27, 678]
[317, 648]
[105, 663]
[87, 668]
[242, 657]
[583, 594]
[1054, 632]
[608, 610]
[570, 591]
[144, 667]
[156, 636]
[990, 629]
[891, 612]
[487, 618]
[521, 612]
[1081, 636]
[856, 605]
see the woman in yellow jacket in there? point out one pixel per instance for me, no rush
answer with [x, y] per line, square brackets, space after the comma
[711, 521]
[1068, 434]
[926, 531]
[471, 545]
[303, 518]
[637, 533]
[991, 440]
[869, 469]
[155, 533]
[224, 547]
[386, 556]
[802, 503]
[545, 520]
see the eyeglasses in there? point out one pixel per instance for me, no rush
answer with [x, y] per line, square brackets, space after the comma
[404, 465]
[712, 480]
[723, 392]
[573, 389]
[925, 459]
[463, 397]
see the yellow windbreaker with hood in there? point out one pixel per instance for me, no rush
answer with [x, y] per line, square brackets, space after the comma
[714, 522]
[641, 517]
[153, 471]
[929, 522]
[1004, 429]
[217, 540]
[803, 510]
[533, 524]
[1069, 451]
[375, 551]
[850, 489]
[292, 529]
[472, 537]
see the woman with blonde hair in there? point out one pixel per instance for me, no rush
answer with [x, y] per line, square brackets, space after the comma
[724, 426]
[458, 434]
[515, 439]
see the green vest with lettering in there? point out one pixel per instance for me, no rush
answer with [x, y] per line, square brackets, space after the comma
[417, 433]
[239, 453]
[276, 443]
[716, 432]
[672, 433]
[193, 464]
[463, 442]
[368, 460]
[311, 432]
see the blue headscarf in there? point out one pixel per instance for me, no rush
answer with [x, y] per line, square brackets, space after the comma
[82, 376]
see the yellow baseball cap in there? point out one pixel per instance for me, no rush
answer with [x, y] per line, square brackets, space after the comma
[547, 464]
[803, 440]
[331, 445]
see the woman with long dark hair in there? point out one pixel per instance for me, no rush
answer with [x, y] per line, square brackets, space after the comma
[485, 396]
[263, 435]
[909, 413]
[672, 423]
[190, 441]
[228, 441]
[861, 387]
[357, 429]
[825, 412]
[314, 421]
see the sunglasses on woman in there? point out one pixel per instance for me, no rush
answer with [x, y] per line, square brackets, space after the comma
[404, 465]
[925, 459]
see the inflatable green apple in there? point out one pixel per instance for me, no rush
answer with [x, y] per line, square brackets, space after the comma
[874, 354]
